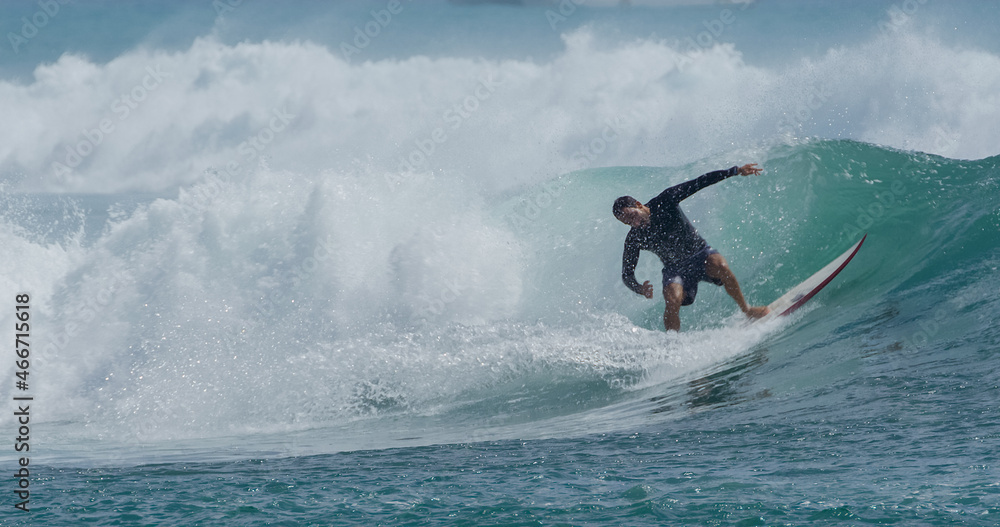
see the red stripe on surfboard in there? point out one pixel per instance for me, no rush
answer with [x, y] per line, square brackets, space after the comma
[815, 290]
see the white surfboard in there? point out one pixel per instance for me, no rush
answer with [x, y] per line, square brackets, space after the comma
[801, 293]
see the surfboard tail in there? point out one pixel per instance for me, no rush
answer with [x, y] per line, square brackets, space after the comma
[802, 293]
[826, 278]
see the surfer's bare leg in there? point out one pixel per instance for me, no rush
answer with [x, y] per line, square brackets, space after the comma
[674, 295]
[717, 267]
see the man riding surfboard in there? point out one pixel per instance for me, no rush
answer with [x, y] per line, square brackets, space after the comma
[661, 227]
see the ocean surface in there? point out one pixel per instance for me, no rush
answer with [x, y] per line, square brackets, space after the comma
[354, 263]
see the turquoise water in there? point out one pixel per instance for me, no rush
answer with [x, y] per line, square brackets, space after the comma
[274, 283]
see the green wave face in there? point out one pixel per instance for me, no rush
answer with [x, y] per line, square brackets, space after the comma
[925, 215]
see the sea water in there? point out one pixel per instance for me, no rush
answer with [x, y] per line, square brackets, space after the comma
[309, 263]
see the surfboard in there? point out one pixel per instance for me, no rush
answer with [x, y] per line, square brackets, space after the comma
[800, 294]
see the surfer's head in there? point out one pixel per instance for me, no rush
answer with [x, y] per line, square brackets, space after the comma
[630, 211]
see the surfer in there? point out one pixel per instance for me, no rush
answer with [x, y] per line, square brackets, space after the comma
[662, 228]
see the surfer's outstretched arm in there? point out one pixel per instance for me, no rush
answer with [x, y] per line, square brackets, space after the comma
[678, 193]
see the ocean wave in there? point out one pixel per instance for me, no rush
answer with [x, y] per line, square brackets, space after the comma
[267, 306]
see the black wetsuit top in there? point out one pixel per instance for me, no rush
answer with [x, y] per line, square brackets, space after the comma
[669, 235]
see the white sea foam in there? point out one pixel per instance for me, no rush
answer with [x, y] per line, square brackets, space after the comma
[153, 120]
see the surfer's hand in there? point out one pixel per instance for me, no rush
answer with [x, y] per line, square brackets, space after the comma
[647, 289]
[748, 169]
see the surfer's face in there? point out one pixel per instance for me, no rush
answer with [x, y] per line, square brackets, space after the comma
[635, 216]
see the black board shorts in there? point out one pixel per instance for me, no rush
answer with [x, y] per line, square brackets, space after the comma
[688, 273]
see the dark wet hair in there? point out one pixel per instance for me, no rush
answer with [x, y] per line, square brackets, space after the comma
[623, 203]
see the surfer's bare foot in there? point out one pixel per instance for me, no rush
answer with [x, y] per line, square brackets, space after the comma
[757, 311]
